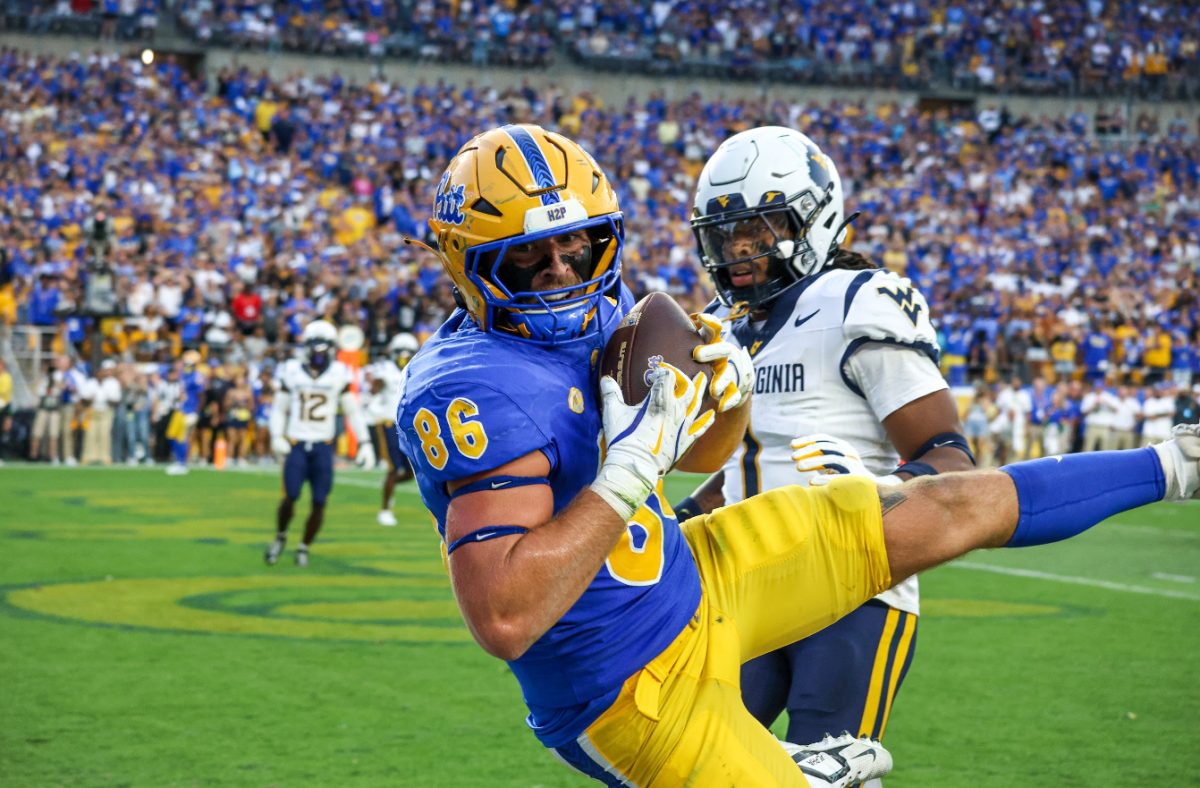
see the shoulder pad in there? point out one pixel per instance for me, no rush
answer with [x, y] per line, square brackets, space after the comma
[885, 307]
[453, 428]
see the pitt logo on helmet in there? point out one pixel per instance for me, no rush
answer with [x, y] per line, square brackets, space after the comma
[448, 205]
[522, 200]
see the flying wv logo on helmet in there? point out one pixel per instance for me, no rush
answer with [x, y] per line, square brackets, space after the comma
[447, 208]
[905, 298]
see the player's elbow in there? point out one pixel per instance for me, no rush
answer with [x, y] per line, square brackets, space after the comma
[504, 638]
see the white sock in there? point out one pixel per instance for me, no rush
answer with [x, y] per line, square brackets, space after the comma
[1176, 470]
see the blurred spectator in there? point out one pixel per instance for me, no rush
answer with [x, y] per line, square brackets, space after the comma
[101, 394]
[1127, 413]
[1045, 252]
[1098, 410]
[1187, 409]
[1158, 410]
[6, 402]
[48, 420]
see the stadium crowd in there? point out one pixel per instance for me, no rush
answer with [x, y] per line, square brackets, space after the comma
[1058, 262]
[1080, 47]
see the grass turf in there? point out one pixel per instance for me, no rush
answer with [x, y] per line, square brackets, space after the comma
[143, 642]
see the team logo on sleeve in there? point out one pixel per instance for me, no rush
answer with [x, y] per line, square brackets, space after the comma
[905, 298]
[575, 400]
[447, 208]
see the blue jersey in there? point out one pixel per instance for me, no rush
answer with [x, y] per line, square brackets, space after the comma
[474, 401]
[1097, 347]
[193, 387]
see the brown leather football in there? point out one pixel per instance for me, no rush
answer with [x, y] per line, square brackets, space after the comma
[656, 329]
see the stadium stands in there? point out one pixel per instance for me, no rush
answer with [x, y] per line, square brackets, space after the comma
[224, 220]
[1067, 48]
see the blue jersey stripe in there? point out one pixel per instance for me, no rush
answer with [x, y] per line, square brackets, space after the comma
[536, 160]
[750, 478]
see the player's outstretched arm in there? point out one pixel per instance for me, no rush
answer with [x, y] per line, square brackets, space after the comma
[358, 425]
[515, 566]
[277, 422]
[932, 520]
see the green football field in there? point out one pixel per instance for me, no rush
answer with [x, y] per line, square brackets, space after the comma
[143, 642]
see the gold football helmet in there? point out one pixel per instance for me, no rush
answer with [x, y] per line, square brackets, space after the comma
[508, 195]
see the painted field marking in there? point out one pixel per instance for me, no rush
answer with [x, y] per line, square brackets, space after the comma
[1173, 578]
[1079, 581]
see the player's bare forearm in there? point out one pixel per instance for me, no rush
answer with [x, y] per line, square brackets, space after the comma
[929, 418]
[548, 569]
[710, 495]
[718, 443]
[512, 589]
[934, 519]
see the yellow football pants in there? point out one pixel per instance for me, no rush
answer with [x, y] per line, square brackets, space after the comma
[774, 569]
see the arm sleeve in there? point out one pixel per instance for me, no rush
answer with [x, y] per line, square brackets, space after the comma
[891, 376]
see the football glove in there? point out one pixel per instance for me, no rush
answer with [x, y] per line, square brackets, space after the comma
[366, 456]
[841, 761]
[644, 440]
[826, 455]
[281, 446]
[733, 371]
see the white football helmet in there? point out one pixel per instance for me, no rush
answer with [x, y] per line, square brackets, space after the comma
[319, 339]
[402, 347]
[769, 211]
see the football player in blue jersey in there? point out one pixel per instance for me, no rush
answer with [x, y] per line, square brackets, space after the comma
[626, 630]
[841, 348]
[192, 385]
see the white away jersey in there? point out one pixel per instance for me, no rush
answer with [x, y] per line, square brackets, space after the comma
[382, 405]
[313, 404]
[837, 354]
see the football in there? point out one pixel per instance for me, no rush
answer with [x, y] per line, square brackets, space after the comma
[656, 330]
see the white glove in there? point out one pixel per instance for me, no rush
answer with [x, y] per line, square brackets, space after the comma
[733, 371]
[281, 446]
[366, 455]
[826, 456]
[645, 440]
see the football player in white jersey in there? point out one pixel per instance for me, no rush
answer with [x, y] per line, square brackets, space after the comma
[385, 378]
[840, 348]
[304, 429]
